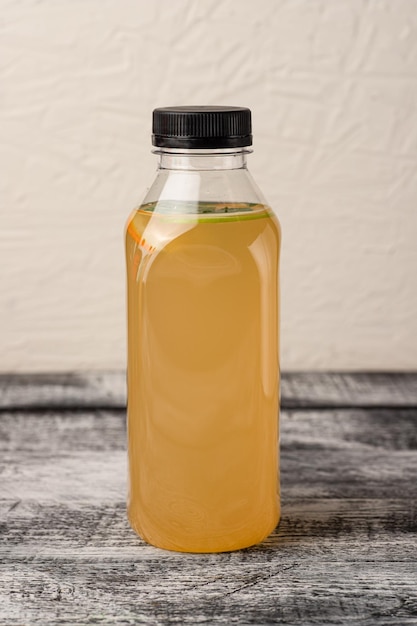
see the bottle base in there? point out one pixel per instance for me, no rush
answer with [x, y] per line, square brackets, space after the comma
[206, 545]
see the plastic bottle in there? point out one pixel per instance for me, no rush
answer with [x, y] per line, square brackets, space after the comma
[202, 254]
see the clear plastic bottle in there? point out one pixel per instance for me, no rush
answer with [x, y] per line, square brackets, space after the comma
[202, 256]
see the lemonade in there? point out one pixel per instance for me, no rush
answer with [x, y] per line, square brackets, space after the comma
[203, 374]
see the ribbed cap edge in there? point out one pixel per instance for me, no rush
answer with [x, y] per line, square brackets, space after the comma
[202, 127]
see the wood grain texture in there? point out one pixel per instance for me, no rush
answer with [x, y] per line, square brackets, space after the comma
[344, 553]
[302, 389]
[67, 390]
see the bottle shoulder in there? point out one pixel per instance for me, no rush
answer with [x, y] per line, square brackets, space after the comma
[227, 228]
[200, 185]
[276, 223]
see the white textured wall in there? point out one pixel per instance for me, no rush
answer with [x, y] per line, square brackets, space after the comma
[333, 89]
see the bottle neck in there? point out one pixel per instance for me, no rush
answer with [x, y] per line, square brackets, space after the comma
[202, 160]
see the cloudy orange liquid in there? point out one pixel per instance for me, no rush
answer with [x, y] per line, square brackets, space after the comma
[203, 377]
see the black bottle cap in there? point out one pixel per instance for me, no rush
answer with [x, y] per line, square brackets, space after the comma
[202, 127]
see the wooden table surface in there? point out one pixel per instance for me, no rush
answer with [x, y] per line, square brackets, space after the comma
[345, 551]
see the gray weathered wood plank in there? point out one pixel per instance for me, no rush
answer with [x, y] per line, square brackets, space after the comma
[361, 389]
[340, 453]
[299, 390]
[218, 590]
[345, 552]
[60, 390]
[323, 528]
